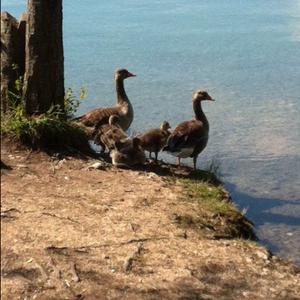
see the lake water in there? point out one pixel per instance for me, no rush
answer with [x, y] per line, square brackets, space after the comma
[246, 54]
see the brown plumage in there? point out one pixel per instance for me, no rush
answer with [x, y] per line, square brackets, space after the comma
[109, 134]
[123, 108]
[155, 139]
[128, 155]
[190, 137]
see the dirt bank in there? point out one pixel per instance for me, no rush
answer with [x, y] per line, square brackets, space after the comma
[70, 231]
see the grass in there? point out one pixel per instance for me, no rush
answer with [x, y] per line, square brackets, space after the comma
[217, 216]
[48, 131]
[43, 132]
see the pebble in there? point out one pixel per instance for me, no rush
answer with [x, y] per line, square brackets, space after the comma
[262, 255]
[22, 166]
[248, 260]
[98, 166]
[152, 175]
[29, 260]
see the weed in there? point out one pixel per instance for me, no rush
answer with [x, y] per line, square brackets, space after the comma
[215, 211]
[15, 95]
[51, 129]
[214, 167]
[72, 102]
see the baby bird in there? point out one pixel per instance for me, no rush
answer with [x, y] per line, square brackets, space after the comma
[155, 139]
[110, 134]
[125, 155]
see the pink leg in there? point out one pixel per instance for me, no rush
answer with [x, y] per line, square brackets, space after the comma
[178, 161]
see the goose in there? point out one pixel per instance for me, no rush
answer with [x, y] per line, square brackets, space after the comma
[155, 139]
[128, 155]
[123, 108]
[189, 138]
[109, 134]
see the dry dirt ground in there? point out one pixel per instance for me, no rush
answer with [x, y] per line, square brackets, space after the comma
[73, 232]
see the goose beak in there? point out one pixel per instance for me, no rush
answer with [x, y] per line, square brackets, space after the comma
[131, 74]
[210, 98]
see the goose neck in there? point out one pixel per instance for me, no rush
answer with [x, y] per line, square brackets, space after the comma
[121, 94]
[199, 114]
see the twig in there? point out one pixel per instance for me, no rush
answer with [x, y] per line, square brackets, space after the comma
[125, 243]
[84, 249]
[74, 272]
[56, 271]
[128, 264]
[9, 210]
[6, 213]
[28, 155]
[62, 218]
[42, 270]
[58, 250]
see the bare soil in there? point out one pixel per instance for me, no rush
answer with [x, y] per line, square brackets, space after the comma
[69, 231]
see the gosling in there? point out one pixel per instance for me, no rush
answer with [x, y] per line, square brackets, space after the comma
[154, 140]
[109, 134]
[125, 155]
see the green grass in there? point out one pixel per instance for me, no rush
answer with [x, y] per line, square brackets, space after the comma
[216, 213]
[48, 131]
[44, 131]
[211, 197]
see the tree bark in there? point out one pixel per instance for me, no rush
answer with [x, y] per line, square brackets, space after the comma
[44, 65]
[12, 53]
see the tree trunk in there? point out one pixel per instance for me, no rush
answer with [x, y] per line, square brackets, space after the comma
[12, 54]
[44, 66]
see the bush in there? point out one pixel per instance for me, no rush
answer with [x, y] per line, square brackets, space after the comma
[50, 130]
[43, 131]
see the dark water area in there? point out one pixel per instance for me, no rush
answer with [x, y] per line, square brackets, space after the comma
[246, 54]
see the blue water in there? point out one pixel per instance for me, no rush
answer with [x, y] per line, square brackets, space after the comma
[246, 54]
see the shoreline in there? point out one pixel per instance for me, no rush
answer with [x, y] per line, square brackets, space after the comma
[69, 230]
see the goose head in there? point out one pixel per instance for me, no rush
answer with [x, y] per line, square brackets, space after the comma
[165, 126]
[123, 74]
[201, 95]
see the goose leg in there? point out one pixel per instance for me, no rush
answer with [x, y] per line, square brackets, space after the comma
[195, 162]
[150, 156]
[178, 161]
[156, 154]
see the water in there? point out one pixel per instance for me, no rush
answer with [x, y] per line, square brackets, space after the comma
[246, 54]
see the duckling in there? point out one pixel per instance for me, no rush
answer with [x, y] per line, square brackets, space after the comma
[155, 139]
[109, 134]
[125, 155]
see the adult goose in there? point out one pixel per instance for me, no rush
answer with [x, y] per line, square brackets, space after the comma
[128, 155]
[190, 137]
[109, 134]
[123, 108]
[155, 139]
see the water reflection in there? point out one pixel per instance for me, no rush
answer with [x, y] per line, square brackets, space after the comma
[277, 221]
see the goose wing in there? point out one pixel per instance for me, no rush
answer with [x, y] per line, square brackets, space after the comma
[186, 135]
[98, 117]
